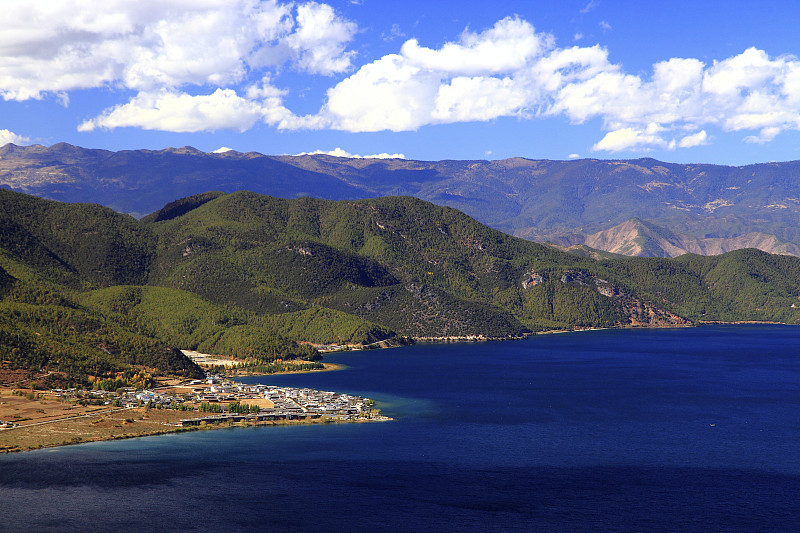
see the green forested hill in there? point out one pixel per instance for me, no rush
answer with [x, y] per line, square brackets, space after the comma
[419, 269]
[84, 290]
[49, 253]
[422, 270]
[45, 330]
[73, 243]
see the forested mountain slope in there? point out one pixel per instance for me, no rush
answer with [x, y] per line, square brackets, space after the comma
[87, 291]
[388, 258]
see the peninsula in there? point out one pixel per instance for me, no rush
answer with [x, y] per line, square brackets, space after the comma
[32, 419]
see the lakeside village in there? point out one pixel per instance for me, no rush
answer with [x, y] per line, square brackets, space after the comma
[219, 400]
[226, 400]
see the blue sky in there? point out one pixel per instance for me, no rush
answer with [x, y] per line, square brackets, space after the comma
[681, 81]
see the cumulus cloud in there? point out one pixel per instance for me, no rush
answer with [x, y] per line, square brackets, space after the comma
[461, 81]
[764, 136]
[144, 46]
[697, 139]
[159, 50]
[507, 46]
[510, 70]
[338, 152]
[181, 112]
[633, 139]
[7, 136]
[319, 39]
[189, 66]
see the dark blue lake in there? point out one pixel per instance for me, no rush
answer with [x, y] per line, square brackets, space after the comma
[631, 430]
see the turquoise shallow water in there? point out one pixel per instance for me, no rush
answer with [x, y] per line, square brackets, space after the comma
[680, 430]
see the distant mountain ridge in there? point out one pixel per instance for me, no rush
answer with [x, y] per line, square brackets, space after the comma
[639, 238]
[538, 200]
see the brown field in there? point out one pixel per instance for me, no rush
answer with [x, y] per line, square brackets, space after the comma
[105, 424]
[46, 407]
[119, 424]
[178, 390]
[48, 421]
[62, 423]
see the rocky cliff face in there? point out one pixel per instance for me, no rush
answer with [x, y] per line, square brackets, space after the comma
[640, 313]
[635, 311]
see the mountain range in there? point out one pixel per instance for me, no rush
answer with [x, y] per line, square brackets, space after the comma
[86, 291]
[637, 237]
[697, 208]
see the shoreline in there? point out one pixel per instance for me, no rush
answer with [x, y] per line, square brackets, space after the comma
[523, 336]
[104, 424]
[123, 424]
[328, 367]
[741, 323]
[483, 338]
[48, 421]
[230, 364]
[468, 339]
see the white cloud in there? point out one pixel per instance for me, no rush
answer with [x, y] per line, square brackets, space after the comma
[388, 94]
[632, 139]
[7, 136]
[382, 155]
[479, 98]
[338, 152]
[319, 39]
[751, 68]
[511, 70]
[157, 50]
[507, 70]
[588, 7]
[697, 139]
[394, 33]
[181, 112]
[764, 136]
[605, 25]
[458, 82]
[191, 66]
[222, 150]
[76, 44]
[574, 156]
[507, 46]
